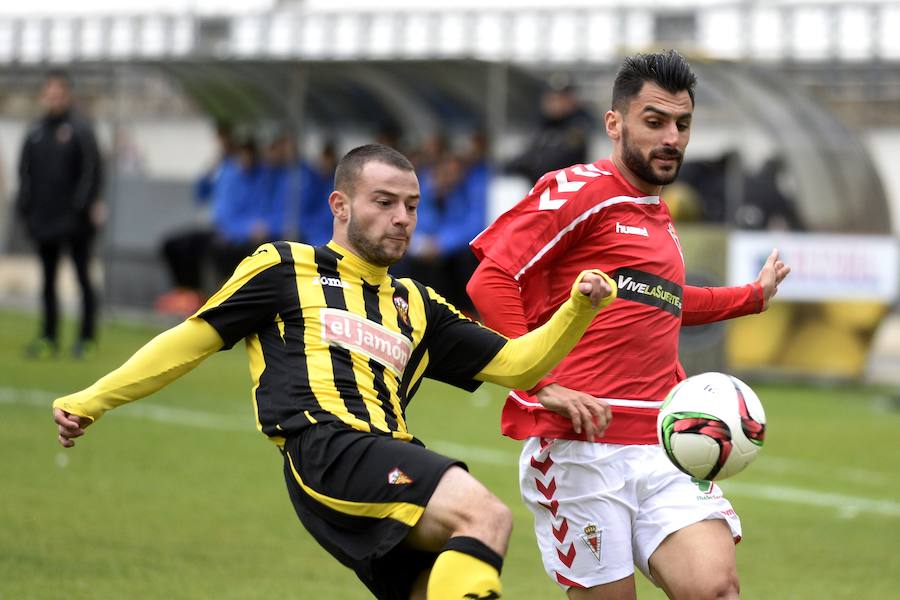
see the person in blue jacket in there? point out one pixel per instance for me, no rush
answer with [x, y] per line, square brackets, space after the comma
[239, 206]
[451, 213]
[317, 181]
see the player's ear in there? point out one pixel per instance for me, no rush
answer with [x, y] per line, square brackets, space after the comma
[340, 205]
[613, 122]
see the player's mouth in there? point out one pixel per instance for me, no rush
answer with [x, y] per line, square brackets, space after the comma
[671, 157]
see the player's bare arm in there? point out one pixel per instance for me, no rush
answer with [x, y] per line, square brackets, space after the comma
[771, 275]
[523, 361]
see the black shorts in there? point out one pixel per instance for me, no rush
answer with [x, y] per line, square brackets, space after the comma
[359, 494]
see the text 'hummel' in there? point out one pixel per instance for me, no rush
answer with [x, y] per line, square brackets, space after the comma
[631, 230]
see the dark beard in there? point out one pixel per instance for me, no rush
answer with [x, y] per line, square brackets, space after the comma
[640, 166]
[367, 249]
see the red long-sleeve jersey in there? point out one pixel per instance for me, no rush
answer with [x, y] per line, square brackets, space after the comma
[583, 217]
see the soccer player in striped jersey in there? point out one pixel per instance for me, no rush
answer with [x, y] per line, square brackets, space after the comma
[602, 508]
[337, 349]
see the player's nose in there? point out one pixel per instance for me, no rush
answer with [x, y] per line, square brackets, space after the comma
[671, 135]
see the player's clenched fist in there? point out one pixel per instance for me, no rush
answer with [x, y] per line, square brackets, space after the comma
[598, 286]
[70, 426]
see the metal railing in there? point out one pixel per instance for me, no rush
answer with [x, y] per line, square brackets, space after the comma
[813, 31]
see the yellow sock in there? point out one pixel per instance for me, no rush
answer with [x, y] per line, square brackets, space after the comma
[466, 569]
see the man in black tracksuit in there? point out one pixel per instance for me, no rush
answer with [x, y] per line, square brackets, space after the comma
[60, 180]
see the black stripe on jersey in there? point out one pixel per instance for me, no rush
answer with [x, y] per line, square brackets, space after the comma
[373, 313]
[458, 347]
[341, 361]
[405, 392]
[283, 357]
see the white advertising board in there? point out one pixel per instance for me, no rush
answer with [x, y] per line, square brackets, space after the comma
[823, 266]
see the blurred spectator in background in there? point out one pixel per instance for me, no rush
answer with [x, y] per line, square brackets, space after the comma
[186, 252]
[390, 135]
[708, 181]
[719, 190]
[768, 199]
[452, 211]
[432, 149]
[279, 186]
[60, 175]
[239, 209]
[317, 181]
[562, 139]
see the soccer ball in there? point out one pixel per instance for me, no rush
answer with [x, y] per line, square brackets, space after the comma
[711, 426]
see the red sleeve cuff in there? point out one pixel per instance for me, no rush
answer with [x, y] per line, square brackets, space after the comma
[760, 298]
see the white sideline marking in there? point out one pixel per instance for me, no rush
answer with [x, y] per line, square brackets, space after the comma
[141, 410]
[848, 506]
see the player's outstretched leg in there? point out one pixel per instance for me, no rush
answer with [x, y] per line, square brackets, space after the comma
[697, 562]
[470, 527]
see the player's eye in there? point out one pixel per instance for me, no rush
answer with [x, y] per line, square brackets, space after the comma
[683, 126]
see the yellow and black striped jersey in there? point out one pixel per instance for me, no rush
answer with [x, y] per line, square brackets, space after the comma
[333, 337]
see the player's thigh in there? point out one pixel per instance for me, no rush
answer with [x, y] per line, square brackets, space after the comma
[462, 506]
[583, 504]
[697, 561]
[670, 501]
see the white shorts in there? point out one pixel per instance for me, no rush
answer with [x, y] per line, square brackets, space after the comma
[599, 509]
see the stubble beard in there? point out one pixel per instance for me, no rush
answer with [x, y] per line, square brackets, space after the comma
[641, 166]
[367, 248]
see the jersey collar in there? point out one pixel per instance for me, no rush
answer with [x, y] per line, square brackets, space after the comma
[365, 269]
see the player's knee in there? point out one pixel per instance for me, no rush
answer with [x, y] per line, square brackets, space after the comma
[490, 509]
[498, 522]
[723, 585]
[502, 518]
[490, 516]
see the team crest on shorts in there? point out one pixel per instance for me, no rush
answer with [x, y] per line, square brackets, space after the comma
[398, 477]
[708, 489]
[591, 538]
[402, 308]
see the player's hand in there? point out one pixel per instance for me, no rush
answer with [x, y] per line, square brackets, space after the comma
[771, 275]
[587, 413]
[596, 287]
[70, 426]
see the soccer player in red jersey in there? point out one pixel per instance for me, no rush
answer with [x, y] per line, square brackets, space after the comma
[604, 496]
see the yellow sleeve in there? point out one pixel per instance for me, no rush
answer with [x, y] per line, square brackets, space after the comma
[162, 360]
[523, 361]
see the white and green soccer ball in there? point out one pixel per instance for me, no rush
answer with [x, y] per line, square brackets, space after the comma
[711, 426]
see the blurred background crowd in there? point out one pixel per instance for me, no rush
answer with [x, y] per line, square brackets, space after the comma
[219, 130]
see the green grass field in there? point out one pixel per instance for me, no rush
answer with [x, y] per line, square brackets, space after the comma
[178, 496]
